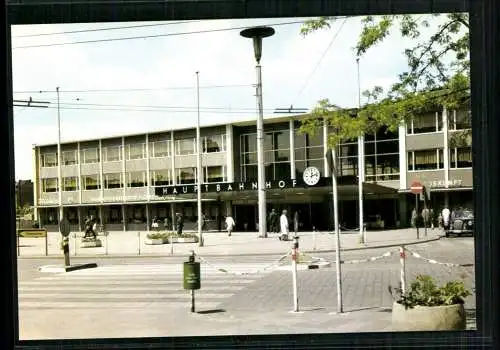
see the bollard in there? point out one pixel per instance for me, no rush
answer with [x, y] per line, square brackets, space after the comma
[171, 245]
[106, 233]
[74, 249]
[46, 243]
[18, 244]
[192, 277]
[139, 244]
[402, 261]
[295, 248]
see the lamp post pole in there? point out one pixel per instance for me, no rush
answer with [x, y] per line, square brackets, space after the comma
[256, 34]
[59, 158]
[198, 160]
[361, 168]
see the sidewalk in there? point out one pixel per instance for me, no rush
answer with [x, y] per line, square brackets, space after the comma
[131, 243]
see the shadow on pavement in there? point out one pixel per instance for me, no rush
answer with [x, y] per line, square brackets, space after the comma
[208, 312]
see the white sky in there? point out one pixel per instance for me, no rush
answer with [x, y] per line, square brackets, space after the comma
[222, 58]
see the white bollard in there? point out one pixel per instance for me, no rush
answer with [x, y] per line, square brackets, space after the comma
[171, 246]
[294, 274]
[403, 268]
[314, 240]
[139, 242]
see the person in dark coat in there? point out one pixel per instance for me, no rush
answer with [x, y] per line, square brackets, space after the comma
[179, 223]
[273, 221]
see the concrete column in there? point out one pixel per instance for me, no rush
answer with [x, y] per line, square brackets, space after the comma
[36, 181]
[172, 142]
[229, 208]
[124, 173]
[292, 149]
[148, 170]
[101, 170]
[403, 211]
[229, 153]
[79, 161]
[172, 210]
[446, 148]
[325, 148]
[403, 161]
[101, 219]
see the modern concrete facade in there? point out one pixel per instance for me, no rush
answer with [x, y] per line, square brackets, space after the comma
[116, 178]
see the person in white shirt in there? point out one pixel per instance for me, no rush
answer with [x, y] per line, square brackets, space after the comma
[230, 224]
[284, 225]
[446, 217]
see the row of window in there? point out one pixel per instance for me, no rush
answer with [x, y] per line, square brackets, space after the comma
[157, 149]
[136, 179]
[433, 159]
[433, 122]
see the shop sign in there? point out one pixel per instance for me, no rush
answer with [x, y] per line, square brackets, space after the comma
[442, 183]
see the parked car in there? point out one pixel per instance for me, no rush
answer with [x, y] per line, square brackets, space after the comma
[374, 222]
[462, 222]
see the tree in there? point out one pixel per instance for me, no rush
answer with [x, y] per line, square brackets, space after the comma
[438, 74]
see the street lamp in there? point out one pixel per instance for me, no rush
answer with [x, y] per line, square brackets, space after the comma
[256, 34]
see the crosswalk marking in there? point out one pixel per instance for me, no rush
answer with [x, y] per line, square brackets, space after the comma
[135, 286]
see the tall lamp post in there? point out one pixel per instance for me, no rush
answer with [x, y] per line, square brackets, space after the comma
[256, 34]
[361, 169]
[198, 160]
[59, 158]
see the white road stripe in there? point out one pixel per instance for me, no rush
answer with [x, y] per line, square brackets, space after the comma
[143, 289]
[200, 305]
[142, 296]
[95, 280]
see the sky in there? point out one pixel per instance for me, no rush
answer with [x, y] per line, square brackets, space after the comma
[150, 83]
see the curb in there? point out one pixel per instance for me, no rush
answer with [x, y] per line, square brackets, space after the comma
[305, 267]
[164, 256]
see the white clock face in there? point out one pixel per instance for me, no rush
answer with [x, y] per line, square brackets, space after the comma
[311, 176]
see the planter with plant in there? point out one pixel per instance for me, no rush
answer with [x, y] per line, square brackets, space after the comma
[425, 306]
[184, 238]
[157, 238]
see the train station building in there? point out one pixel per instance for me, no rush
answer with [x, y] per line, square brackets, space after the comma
[125, 181]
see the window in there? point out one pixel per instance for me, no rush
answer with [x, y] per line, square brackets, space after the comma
[215, 174]
[49, 185]
[136, 151]
[460, 120]
[249, 143]
[70, 184]
[49, 159]
[159, 149]
[113, 180]
[185, 147]
[430, 159]
[161, 178]
[113, 153]
[91, 182]
[214, 144]
[136, 179]
[424, 123]
[461, 157]
[90, 155]
[186, 175]
[69, 157]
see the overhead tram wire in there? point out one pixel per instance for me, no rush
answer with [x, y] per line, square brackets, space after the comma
[321, 59]
[105, 29]
[136, 89]
[156, 35]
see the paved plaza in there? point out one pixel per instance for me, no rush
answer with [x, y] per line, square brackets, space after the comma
[132, 243]
[143, 296]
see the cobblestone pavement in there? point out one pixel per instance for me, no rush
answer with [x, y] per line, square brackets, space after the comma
[152, 302]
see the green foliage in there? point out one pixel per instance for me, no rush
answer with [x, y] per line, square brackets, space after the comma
[425, 292]
[167, 235]
[438, 74]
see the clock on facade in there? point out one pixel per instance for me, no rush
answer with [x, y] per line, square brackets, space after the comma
[311, 176]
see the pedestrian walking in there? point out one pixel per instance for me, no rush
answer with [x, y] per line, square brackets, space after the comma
[284, 228]
[167, 223]
[155, 224]
[273, 221]
[414, 217]
[230, 225]
[179, 223]
[425, 217]
[446, 218]
[296, 222]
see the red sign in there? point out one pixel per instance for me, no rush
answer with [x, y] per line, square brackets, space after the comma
[416, 187]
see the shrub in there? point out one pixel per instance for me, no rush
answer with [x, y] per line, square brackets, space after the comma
[425, 292]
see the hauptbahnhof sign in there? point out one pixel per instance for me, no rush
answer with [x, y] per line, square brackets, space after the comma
[237, 186]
